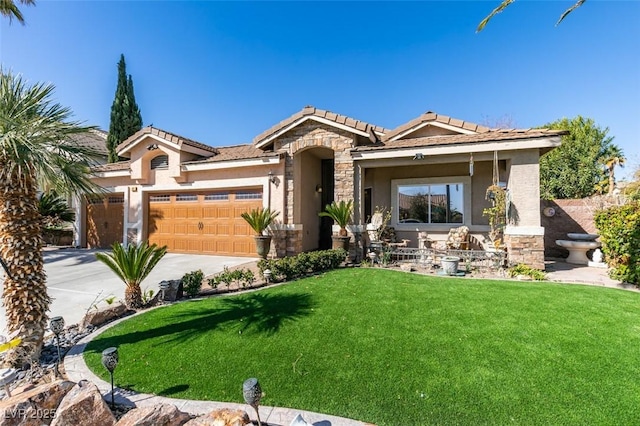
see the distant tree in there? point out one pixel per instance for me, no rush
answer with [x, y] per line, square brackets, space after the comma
[613, 157]
[125, 114]
[632, 188]
[505, 3]
[575, 168]
[9, 9]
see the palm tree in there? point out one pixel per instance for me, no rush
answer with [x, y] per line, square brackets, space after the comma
[54, 209]
[132, 265]
[613, 158]
[9, 9]
[36, 149]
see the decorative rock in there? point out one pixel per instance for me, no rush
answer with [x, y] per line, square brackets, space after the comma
[7, 376]
[407, 267]
[83, 405]
[103, 315]
[299, 421]
[223, 417]
[157, 415]
[34, 407]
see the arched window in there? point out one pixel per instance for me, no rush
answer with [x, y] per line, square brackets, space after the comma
[160, 162]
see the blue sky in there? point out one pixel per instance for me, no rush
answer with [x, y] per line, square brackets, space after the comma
[223, 72]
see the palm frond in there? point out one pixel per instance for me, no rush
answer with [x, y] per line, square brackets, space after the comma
[502, 6]
[37, 137]
[571, 9]
[134, 263]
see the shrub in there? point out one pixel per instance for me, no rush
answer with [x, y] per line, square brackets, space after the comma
[291, 267]
[192, 282]
[522, 269]
[619, 228]
[241, 277]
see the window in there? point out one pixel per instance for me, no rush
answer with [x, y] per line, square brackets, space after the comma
[187, 197]
[160, 162]
[217, 196]
[431, 201]
[248, 195]
[160, 198]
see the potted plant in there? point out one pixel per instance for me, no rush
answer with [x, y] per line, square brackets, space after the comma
[341, 215]
[259, 220]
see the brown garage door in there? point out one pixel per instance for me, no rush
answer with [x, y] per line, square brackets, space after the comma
[203, 222]
[104, 220]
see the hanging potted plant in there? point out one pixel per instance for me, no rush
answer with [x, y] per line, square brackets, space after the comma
[341, 215]
[259, 220]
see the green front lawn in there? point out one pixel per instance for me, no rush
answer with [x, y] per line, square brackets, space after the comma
[395, 348]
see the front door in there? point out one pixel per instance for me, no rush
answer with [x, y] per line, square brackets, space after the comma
[326, 198]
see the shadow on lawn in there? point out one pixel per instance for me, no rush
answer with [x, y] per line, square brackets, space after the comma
[252, 313]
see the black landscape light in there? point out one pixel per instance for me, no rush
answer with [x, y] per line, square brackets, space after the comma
[56, 324]
[252, 393]
[110, 362]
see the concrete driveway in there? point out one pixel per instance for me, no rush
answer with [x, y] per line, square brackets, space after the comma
[76, 280]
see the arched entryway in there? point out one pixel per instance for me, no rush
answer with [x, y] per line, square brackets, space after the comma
[314, 188]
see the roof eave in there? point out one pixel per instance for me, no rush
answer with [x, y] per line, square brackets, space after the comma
[542, 143]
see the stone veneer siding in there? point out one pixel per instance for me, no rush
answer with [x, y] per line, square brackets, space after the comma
[527, 249]
[314, 134]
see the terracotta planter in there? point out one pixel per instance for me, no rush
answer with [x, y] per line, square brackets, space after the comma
[263, 245]
[340, 242]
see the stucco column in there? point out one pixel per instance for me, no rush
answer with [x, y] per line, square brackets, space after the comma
[524, 236]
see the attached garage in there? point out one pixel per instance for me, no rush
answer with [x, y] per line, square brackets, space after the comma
[104, 220]
[206, 222]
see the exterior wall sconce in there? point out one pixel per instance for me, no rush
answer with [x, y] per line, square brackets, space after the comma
[470, 164]
[152, 146]
[418, 156]
[319, 188]
[272, 178]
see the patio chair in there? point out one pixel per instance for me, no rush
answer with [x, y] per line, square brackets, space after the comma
[458, 238]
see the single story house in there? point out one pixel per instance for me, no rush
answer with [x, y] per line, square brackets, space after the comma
[189, 195]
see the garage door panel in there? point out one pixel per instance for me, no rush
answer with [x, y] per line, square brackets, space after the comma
[242, 246]
[242, 229]
[223, 213]
[222, 229]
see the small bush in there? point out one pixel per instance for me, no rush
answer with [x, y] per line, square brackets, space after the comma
[522, 269]
[241, 277]
[192, 282]
[619, 228]
[292, 267]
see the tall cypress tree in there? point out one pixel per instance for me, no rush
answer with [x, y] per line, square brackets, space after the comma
[125, 114]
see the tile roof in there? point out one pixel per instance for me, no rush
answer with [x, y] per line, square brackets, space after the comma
[487, 136]
[95, 139]
[112, 167]
[316, 112]
[237, 152]
[430, 116]
[171, 137]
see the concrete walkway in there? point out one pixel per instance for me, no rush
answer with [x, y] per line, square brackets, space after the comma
[76, 369]
[560, 271]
